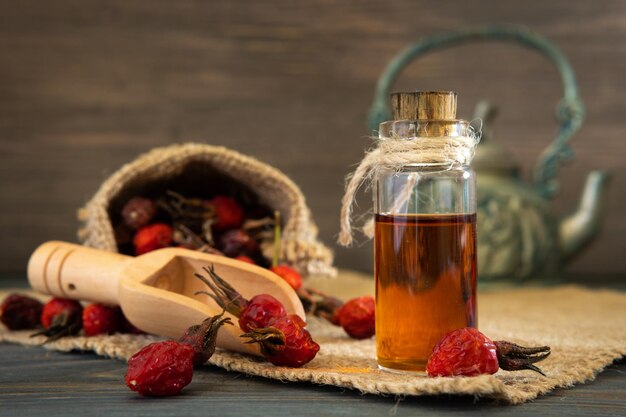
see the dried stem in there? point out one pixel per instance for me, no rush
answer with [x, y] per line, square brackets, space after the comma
[512, 357]
[223, 293]
[277, 233]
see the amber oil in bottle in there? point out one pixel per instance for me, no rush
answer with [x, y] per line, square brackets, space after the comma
[425, 268]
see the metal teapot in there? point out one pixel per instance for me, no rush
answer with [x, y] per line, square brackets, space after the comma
[519, 238]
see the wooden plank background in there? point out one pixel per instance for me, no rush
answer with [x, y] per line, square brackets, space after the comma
[85, 86]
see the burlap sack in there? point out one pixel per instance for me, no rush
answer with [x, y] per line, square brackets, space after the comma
[192, 166]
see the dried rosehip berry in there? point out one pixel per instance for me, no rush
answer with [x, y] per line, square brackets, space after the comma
[468, 352]
[290, 275]
[138, 212]
[283, 339]
[463, 352]
[57, 308]
[60, 317]
[229, 214]
[285, 342]
[20, 312]
[161, 369]
[149, 238]
[357, 317]
[260, 311]
[101, 319]
[237, 242]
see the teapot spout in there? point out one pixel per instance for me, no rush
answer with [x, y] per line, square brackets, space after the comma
[579, 228]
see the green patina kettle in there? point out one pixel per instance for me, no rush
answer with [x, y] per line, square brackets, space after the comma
[520, 239]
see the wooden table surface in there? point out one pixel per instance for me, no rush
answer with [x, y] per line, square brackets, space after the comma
[38, 382]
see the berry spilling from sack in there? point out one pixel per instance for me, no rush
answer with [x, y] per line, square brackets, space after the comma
[220, 224]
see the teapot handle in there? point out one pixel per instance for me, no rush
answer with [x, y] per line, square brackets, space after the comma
[570, 110]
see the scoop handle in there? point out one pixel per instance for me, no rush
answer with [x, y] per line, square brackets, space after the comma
[72, 271]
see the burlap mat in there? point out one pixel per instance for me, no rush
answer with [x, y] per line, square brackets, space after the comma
[585, 328]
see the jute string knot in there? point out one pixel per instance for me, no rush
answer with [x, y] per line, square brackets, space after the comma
[393, 153]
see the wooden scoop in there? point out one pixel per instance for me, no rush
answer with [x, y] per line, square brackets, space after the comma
[155, 290]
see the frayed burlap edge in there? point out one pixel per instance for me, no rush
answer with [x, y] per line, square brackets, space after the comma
[299, 246]
[586, 330]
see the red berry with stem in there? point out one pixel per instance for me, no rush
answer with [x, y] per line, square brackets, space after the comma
[290, 275]
[20, 312]
[101, 319]
[283, 339]
[229, 214]
[60, 308]
[285, 342]
[161, 369]
[149, 238]
[357, 317]
[61, 317]
[468, 352]
[138, 212]
[165, 368]
[256, 312]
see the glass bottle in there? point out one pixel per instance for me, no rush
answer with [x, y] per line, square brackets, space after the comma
[425, 236]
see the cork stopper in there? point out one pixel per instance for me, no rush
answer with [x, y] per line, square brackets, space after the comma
[424, 105]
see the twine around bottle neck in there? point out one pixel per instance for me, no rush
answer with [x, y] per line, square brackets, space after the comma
[394, 153]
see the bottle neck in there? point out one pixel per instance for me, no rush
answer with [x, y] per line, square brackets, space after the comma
[411, 129]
